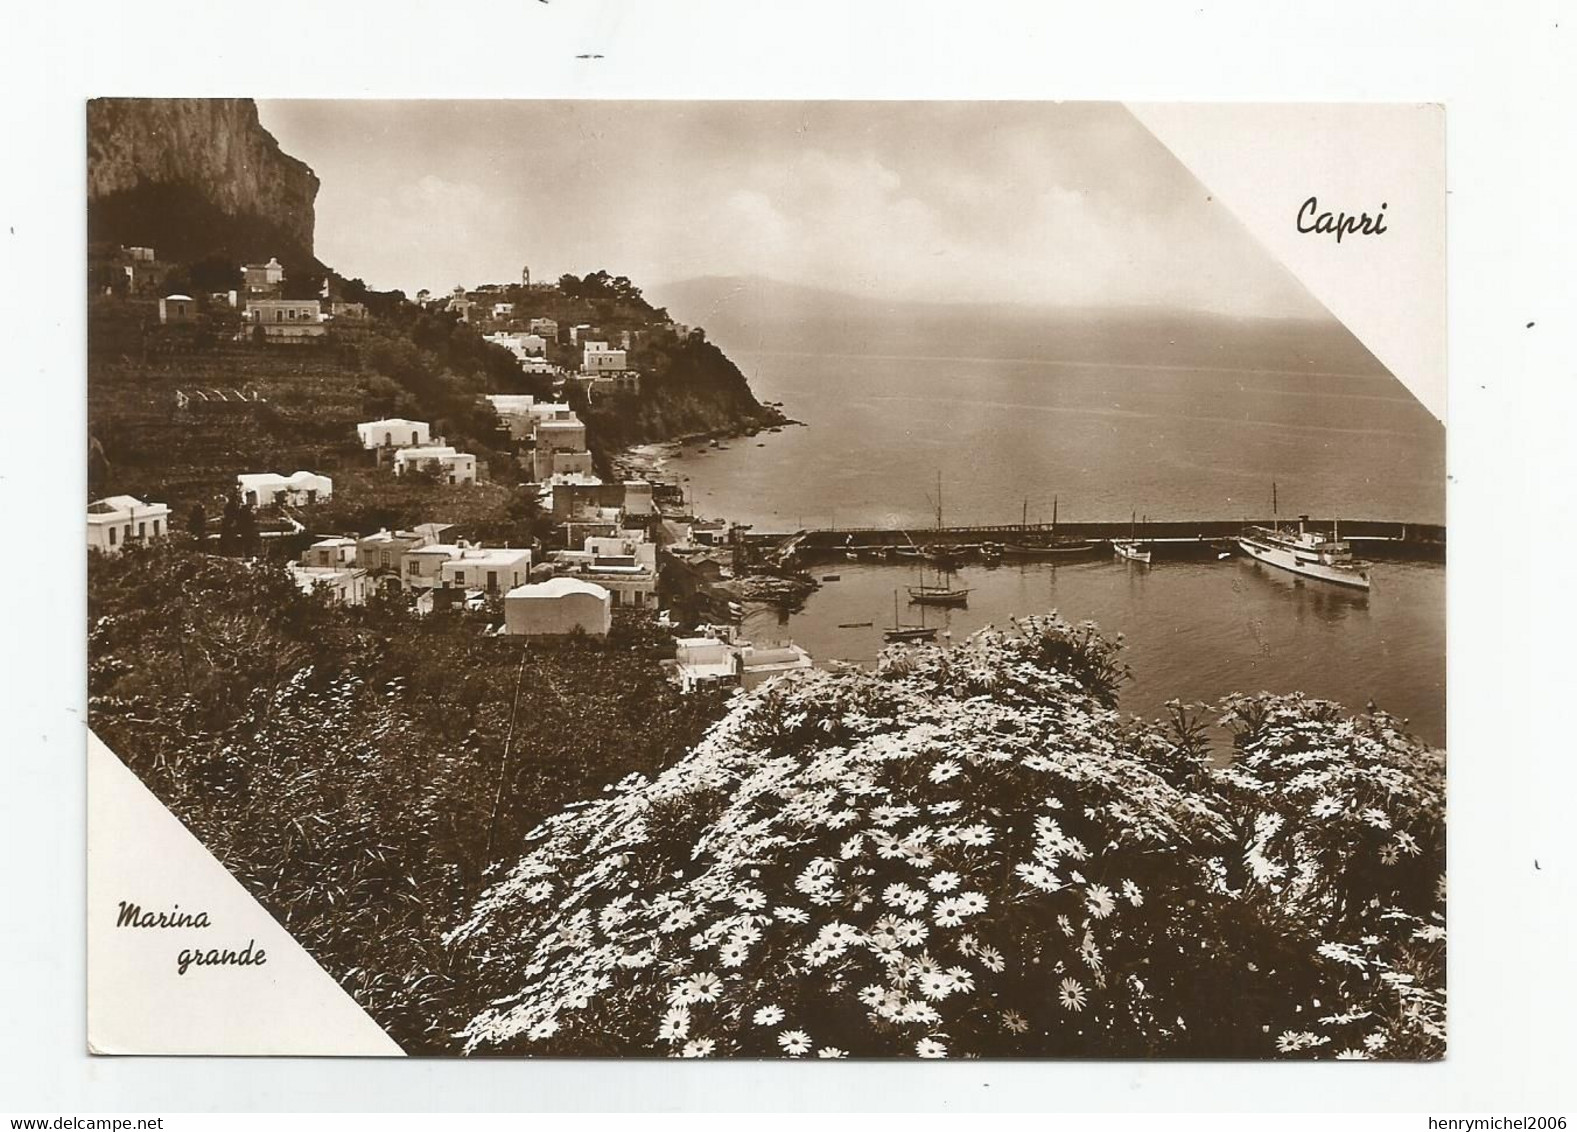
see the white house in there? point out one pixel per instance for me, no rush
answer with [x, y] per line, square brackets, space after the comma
[119, 519]
[758, 665]
[704, 660]
[597, 358]
[421, 567]
[451, 466]
[558, 607]
[522, 412]
[395, 432]
[716, 660]
[561, 434]
[344, 585]
[492, 569]
[624, 564]
[330, 552]
[177, 308]
[269, 489]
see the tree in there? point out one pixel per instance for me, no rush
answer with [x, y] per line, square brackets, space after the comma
[197, 522]
[214, 273]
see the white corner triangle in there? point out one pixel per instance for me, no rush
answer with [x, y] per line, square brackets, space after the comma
[1263, 161]
[139, 1002]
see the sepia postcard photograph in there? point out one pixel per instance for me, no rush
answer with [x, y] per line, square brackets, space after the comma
[766, 579]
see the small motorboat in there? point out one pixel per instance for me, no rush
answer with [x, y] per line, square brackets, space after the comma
[1131, 547]
[1132, 551]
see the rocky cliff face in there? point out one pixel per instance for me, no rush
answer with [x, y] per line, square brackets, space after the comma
[195, 177]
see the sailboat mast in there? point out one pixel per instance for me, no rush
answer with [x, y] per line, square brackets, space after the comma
[1273, 512]
[1053, 514]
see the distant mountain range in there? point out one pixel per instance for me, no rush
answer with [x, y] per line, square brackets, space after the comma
[750, 313]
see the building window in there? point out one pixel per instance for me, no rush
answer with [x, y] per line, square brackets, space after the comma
[156, 528]
[142, 531]
[112, 536]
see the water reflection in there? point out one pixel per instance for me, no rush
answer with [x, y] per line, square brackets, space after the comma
[1193, 630]
[1306, 596]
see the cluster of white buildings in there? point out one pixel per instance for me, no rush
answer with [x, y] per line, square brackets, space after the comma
[416, 562]
[423, 563]
[412, 447]
[551, 429]
[530, 349]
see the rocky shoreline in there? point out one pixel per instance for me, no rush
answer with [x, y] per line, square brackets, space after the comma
[650, 461]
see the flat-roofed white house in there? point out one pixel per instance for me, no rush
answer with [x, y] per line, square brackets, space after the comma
[117, 520]
[344, 585]
[703, 660]
[395, 432]
[522, 412]
[622, 564]
[700, 661]
[449, 465]
[557, 608]
[421, 567]
[269, 489]
[562, 434]
[491, 569]
[758, 665]
[597, 358]
[336, 552]
[383, 549]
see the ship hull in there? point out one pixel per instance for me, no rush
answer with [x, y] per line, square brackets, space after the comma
[939, 597]
[1292, 563]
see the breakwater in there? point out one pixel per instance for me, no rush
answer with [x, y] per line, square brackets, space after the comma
[1371, 538]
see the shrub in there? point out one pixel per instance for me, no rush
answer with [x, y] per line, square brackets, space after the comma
[965, 852]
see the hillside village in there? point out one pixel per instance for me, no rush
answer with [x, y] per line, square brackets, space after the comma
[451, 452]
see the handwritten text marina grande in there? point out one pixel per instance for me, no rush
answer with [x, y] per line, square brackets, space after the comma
[133, 915]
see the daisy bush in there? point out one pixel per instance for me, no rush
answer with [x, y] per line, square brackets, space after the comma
[968, 852]
[1339, 832]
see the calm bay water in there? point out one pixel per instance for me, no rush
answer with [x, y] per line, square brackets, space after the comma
[1193, 631]
[1170, 443]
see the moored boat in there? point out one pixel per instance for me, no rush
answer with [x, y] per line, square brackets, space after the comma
[1131, 547]
[902, 632]
[1131, 550]
[1306, 553]
[1056, 548]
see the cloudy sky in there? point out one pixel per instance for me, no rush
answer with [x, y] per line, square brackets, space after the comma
[1040, 203]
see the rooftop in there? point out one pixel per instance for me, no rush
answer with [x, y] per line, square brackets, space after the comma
[558, 587]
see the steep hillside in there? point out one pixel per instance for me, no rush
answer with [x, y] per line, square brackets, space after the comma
[195, 177]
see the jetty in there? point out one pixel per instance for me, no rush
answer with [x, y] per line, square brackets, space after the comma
[1171, 539]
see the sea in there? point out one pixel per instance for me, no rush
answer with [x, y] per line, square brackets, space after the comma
[890, 441]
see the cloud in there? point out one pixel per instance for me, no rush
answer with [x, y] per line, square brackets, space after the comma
[1070, 204]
